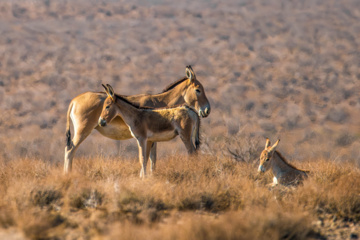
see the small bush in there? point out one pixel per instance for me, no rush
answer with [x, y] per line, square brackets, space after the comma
[337, 115]
[87, 198]
[44, 197]
[345, 139]
[6, 218]
[42, 227]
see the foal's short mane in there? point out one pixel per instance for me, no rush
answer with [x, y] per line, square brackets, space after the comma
[174, 84]
[285, 161]
[131, 103]
[189, 107]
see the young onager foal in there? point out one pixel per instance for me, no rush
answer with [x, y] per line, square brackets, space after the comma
[84, 112]
[284, 173]
[152, 125]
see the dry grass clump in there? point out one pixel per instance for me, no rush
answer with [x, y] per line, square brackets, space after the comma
[254, 224]
[334, 189]
[205, 197]
[44, 197]
[42, 225]
[86, 198]
[6, 218]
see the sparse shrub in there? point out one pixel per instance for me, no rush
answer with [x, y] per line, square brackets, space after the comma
[86, 198]
[216, 202]
[130, 202]
[208, 201]
[280, 93]
[345, 139]
[189, 203]
[249, 105]
[333, 190]
[268, 127]
[261, 225]
[154, 216]
[6, 218]
[42, 227]
[264, 110]
[337, 115]
[244, 148]
[177, 176]
[136, 207]
[292, 115]
[44, 198]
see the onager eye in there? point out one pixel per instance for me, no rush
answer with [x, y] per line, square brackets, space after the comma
[108, 106]
[267, 159]
[198, 91]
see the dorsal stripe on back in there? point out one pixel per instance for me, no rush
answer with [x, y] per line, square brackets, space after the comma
[137, 106]
[285, 161]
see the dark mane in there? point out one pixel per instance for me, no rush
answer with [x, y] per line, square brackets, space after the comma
[286, 162]
[137, 106]
[174, 84]
[188, 107]
[131, 103]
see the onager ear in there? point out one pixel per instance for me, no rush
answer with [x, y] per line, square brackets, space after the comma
[190, 73]
[267, 144]
[106, 90]
[110, 92]
[274, 146]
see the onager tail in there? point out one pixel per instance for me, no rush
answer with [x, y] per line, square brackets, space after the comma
[197, 133]
[68, 133]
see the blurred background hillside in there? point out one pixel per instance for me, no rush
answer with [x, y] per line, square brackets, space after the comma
[277, 69]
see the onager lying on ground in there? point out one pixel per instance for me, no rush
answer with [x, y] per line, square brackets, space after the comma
[284, 173]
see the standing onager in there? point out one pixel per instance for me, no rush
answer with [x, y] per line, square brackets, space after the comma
[85, 109]
[283, 172]
[149, 125]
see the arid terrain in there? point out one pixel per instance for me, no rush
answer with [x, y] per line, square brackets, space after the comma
[276, 69]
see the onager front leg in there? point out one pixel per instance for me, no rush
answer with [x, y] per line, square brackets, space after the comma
[188, 144]
[275, 182]
[144, 151]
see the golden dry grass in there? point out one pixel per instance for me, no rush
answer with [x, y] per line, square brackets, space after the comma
[206, 197]
[277, 69]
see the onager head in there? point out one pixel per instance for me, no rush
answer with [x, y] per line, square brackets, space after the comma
[266, 156]
[195, 94]
[109, 111]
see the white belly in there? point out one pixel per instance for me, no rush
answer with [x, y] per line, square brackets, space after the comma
[161, 137]
[114, 132]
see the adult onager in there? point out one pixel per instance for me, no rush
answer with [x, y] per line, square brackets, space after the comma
[148, 125]
[85, 109]
[284, 173]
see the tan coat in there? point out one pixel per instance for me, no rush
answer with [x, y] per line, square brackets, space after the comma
[283, 172]
[85, 109]
[152, 125]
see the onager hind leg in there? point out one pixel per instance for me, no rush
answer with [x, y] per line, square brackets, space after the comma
[79, 136]
[153, 157]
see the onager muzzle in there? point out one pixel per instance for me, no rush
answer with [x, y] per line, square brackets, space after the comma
[102, 122]
[261, 169]
[205, 112]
